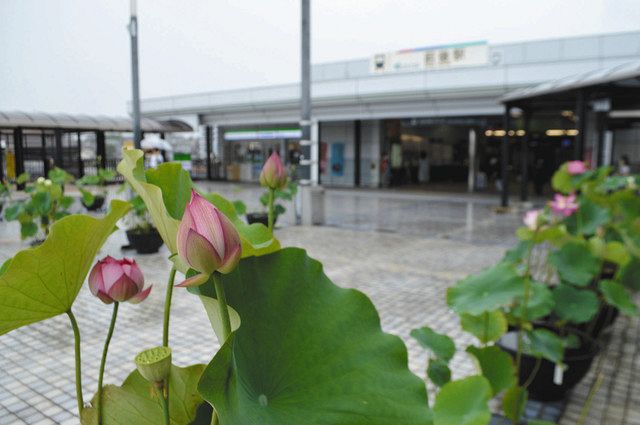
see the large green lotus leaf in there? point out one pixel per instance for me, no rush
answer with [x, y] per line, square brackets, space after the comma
[495, 287]
[575, 305]
[307, 352]
[175, 184]
[487, 327]
[561, 180]
[132, 168]
[588, 218]
[438, 372]
[440, 345]
[463, 402]
[575, 263]
[539, 304]
[136, 403]
[495, 365]
[256, 238]
[213, 313]
[42, 282]
[618, 296]
[546, 344]
[630, 274]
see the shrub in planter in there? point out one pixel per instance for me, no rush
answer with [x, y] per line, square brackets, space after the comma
[45, 203]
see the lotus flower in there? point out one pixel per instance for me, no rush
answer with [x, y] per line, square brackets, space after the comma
[117, 280]
[273, 174]
[532, 219]
[207, 240]
[564, 205]
[576, 167]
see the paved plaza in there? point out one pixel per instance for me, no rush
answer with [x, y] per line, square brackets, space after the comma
[401, 249]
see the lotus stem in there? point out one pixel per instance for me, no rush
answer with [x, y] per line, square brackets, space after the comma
[271, 217]
[224, 310]
[587, 405]
[103, 362]
[167, 308]
[165, 406]
[76, 335]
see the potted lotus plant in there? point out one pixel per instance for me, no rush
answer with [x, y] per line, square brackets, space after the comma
[45, 203]
[141, 233]
[93, 199]
[5, 194]
[278, 186]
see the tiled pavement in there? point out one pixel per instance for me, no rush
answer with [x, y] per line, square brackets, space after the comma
[403, 250]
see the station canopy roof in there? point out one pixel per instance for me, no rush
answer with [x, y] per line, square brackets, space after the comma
[621, 78]
[41, 120]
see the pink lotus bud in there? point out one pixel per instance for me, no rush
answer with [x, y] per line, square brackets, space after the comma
[207, 240]
[564, 205]
[532, 219]
[273, 174]
[576, 167]
[117, 280]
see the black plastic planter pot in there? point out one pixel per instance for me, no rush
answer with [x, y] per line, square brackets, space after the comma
[145, 242]
[98, 202]
[543, 387]
[262, 218]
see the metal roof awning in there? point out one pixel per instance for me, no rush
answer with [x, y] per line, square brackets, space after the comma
[622, 76]
[40, 120]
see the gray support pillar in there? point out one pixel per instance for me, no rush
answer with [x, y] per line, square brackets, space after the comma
[2, 171]
[209, 142]
[581, 125]
[101, 150]
[43, 153]
[504, 162]
[18, 148]
[59, 160]
[357, 139]
[79, 158]
[524, 158]
[135, 83]
[306, 173]
[473, 145]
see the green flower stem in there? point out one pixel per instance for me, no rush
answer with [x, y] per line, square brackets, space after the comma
[271, 199]
[226, 321]
[167, 308]
[112, 326]
[165, 327]
[76, 335]
[224, 310]
[525, 303]
[165, 407]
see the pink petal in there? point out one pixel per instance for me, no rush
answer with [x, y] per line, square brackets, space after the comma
[95, 279]
[186, 224]
[134, 273]
[123, 289]
[200, 254]
[111, 273]
[231, 262]
[196, 280]
[206, 221]
[140, 296]
[104, 297]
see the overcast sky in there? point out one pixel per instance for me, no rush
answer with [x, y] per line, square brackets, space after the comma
[73, 55]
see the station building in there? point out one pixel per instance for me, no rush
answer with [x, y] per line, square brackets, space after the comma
[378, 117]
